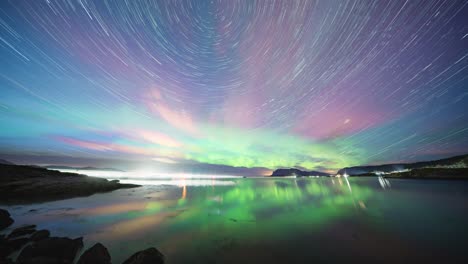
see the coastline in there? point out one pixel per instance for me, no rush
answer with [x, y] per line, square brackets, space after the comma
[27, 245]
[29, 184]
[431, 174]
[170, 218]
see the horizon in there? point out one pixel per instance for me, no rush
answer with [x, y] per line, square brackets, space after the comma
[221, 87]
[148, 171]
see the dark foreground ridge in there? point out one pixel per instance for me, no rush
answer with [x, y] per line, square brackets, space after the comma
[38, 247]
[24, 184]
[297, 173]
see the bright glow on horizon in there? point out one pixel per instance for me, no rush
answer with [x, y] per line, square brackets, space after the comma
[142, 175]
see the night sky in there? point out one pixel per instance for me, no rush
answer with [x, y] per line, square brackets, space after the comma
[219, 84]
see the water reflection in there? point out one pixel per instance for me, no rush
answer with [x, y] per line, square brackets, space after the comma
[179, 182]
[271, 202]
[193, 217]
[384, 183]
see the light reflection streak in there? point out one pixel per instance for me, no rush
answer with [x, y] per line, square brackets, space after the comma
[238, 206]
[184, 192]
[179, 182]
[384, 183]
[145, 174]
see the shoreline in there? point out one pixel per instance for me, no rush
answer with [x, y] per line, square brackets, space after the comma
[28, 184]
[148, 226]
[27, 245]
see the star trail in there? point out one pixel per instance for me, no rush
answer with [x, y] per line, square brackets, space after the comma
[258, 84]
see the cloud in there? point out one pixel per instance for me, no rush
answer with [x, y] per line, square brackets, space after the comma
[84, 143]
[157, 138]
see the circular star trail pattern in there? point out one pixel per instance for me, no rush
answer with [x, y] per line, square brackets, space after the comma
[308, 84]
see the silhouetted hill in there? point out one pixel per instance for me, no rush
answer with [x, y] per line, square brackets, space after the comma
[297, 172]
[449, 163]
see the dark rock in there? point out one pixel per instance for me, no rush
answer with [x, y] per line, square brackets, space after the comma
[52, 250]
[16, 244]
[9, 246]
[21, 231]
[5, 249]
[96, 254]
[39, 235]
[5, 219]
[147, 256]
[6, 261]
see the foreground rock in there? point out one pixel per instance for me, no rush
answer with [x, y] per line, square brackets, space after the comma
[21, 231]
[147, 256]
[23, 184]
[9, 246]
[51, 250]
[39, 235]
[5, 219]
[96, 254]
[297, 173]
[39, 248]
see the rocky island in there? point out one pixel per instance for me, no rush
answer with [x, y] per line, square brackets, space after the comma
[297, 173]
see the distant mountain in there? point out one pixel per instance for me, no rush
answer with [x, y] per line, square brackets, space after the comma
[57, 167]
[449, 163]
[6, 162]
[297, 172]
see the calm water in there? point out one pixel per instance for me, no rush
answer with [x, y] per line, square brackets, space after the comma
[269, 220]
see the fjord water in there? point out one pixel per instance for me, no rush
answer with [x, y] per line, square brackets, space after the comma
[271, 220]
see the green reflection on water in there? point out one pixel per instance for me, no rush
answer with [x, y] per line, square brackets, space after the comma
[259, 208]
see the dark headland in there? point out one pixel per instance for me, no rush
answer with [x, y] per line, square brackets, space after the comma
[25, 184]
[453, 168]
[297, 173]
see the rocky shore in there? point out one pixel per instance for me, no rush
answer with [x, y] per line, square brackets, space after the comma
[27, 184]
[38, 247]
